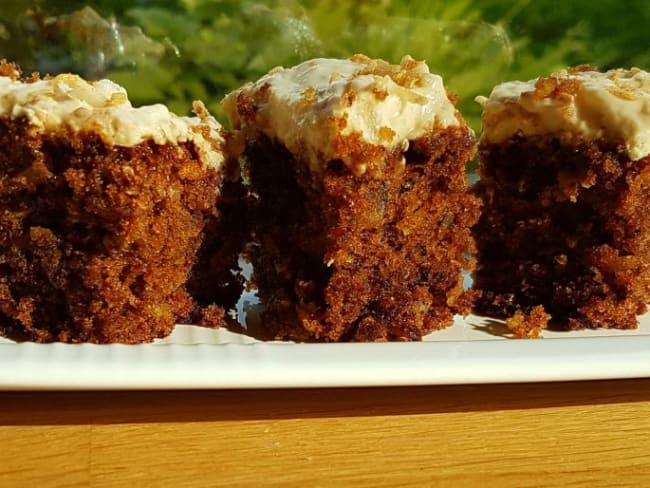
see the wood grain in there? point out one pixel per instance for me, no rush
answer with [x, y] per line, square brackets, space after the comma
[568, 434]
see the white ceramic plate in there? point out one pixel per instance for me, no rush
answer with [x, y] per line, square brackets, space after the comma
[474, 350]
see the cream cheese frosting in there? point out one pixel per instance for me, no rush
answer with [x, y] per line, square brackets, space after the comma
[69, 104]
[310, 106]
[614, 105]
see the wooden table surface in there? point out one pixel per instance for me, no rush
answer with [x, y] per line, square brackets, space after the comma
[556, 434]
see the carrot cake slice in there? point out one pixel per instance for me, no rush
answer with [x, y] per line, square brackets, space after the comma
[102, 209]
[565, 179]
[361, 219]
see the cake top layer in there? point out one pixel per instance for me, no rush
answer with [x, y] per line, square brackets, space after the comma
[68, 104]
[614, 105]
[318, 108]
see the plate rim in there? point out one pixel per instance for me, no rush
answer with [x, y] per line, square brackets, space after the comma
[29, 366]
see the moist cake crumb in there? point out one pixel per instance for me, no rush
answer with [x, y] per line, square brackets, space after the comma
[528, 326]
[360, 213]
[565, 173]
[102, 210]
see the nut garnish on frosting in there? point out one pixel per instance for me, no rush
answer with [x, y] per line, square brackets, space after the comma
[69, 104]
[613, 104]
[311, 107]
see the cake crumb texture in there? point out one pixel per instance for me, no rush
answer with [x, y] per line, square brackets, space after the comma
[564, 225]
[97, 241]
[339, 257]
[360, 215]
[528, 326]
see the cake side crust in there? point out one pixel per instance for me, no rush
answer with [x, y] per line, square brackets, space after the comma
[340, 256]
[97, 240]
[563, 227]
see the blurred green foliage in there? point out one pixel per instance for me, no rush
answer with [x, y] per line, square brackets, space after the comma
[175, 51]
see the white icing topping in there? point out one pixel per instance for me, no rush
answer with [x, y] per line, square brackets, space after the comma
[67, 103]
[310, 106]
[614, 104]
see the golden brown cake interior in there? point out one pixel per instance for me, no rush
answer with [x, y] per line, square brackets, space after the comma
[564, 226]
[367, 258]
[97, 241]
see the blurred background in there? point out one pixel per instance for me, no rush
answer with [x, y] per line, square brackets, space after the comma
[177, 51]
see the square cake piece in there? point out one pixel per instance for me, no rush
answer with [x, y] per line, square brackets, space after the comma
[102, 210]
[565, 179]
[361, 216]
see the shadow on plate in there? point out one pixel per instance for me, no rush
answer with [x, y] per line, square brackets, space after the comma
[493, 327]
